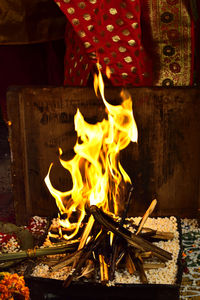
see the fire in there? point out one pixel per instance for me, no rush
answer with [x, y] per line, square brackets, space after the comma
[95, 169]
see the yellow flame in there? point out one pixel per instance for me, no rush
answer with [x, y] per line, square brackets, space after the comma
[108, 72]
[95, 169]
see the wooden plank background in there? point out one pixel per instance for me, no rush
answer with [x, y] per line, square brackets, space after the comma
[164, 164]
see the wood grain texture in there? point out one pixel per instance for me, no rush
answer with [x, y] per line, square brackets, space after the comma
[164, 164]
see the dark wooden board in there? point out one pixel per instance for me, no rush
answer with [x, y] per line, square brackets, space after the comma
[164, 164]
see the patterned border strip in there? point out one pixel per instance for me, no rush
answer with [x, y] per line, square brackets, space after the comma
[172, 32]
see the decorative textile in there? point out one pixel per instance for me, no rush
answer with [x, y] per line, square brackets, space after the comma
[109, 31]
[195, 8]
[77, 62]
[190, 287]
[173, 33]
[125, 36]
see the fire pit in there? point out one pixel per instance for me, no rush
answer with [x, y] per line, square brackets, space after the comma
[96, 219]
[125, 286]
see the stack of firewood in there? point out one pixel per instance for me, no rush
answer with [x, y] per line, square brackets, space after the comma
[106, 245]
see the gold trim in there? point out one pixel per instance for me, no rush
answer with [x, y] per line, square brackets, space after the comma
[183, 49]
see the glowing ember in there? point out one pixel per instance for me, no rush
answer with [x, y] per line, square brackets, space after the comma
[95, 169]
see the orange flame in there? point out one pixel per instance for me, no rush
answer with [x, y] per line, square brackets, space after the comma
[95, 169]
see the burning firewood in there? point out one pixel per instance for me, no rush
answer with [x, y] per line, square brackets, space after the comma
[133, 240]
[116, 244]
[87, 270]
[69, 259]
[130, 264]
[86, 232]
[85, 253]
[134, 247]
[103, 269]
[115, 255]
[134, 253]
[131, 250]
[120, 257]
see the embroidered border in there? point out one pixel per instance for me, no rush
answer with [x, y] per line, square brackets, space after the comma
[172, 31]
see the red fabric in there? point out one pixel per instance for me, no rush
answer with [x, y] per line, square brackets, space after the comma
[77, 64]
[109, 31]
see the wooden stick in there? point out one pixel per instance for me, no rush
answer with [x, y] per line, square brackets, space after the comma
[146, 215]
[65, 261]
[130, 264]
[140, 269]
[130, 195]
[78, 260]
[116, 246]
[78, 264]
[155, 234]
[87, 271]
[85, 254]
[147, 232]
[103, 269]
[148, 266]
[146, 254]
[163, 235]
[86, 232]
[121, 255]
[138, 263]
[115, 252]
